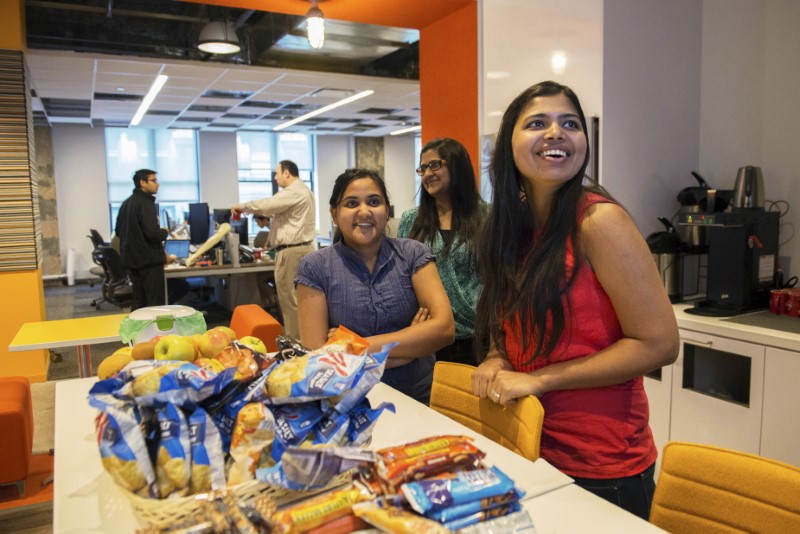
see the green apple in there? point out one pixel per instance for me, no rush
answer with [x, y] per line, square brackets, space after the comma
[172, 347]
[252, 342]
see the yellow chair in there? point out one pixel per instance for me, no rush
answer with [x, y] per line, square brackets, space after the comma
[517, 426]
[707, 489]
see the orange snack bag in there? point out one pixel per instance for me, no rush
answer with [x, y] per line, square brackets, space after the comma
[352, 342]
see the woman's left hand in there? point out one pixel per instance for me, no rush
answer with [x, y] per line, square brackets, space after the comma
[508, 386]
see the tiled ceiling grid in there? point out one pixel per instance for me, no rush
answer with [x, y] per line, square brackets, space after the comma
[106, 90]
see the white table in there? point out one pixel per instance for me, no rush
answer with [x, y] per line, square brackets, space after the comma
[86, 500]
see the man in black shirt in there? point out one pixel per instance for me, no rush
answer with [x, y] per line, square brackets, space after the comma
[141, 241]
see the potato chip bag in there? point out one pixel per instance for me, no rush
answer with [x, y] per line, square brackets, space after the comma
[351, 342]
[208, 460]
[183, 384]
[251, 441]
[123, 451]
[174, 460]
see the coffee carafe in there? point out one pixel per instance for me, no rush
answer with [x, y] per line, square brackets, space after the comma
[748, 191]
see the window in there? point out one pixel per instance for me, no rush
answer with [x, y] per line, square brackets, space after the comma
[171, 153]
[258, 153]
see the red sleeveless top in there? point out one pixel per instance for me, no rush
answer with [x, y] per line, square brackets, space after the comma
[596, 432]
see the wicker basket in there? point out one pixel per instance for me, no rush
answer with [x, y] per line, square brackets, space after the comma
[162, 513]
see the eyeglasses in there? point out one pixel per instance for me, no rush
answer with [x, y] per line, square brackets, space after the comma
[434, 165]
[152, 180]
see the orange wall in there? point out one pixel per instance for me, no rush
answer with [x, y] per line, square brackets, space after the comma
[12, 27]
[448, 80]
[22, 291]
[23, 302]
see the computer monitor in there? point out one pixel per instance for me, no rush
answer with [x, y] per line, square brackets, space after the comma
[198, 223]
[237, 226]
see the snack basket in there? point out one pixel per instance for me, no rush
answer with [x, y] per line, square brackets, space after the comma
[162, 513]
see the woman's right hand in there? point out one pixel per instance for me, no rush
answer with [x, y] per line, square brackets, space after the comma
[422, 315]
[484, 375]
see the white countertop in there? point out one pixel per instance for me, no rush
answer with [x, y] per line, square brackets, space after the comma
[720, 327]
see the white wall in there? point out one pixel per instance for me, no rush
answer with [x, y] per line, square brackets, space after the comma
[219, 181]
[650, 125]
[334, 155]
[750, 113]
[79, 166]
[399, 161]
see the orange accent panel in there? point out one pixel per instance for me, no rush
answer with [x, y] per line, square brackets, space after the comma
[448, 81]
[23, 302]
[400, 13]
[12, 27]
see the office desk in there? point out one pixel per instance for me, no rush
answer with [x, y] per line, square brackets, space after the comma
[86, 499]
[81, 333]
[245, 289]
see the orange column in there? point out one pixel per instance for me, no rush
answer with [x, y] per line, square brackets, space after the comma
[448, 80]
[22, 291]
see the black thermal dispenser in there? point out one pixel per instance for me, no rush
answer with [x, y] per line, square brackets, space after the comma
[742, 258]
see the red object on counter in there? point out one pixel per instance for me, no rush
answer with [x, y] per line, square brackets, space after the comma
[792, 308]
[777, 301]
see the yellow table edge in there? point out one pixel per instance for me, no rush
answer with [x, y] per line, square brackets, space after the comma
[67, 332]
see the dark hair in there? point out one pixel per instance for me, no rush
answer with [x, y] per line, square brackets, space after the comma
[468, 208]
[142, 175]
[521, 276]
[344, 179]
[289, 165]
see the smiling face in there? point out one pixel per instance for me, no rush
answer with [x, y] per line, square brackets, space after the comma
[435, 182]
[548, 142]
[361, 214]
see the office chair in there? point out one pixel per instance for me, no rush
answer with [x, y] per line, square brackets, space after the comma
[516, 426]
[707, 489]
[96, 238]
[97, 271]
[116, 285]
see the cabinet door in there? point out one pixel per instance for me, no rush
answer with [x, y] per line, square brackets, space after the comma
[780, 426]
[717, 392]
[658, 386]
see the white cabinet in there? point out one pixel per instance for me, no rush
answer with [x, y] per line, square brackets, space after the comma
[780, 429]
[717, 392]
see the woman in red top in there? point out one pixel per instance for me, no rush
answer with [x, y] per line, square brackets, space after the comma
[572, 304]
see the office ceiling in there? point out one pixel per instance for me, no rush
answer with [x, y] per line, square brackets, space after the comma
[92, 61]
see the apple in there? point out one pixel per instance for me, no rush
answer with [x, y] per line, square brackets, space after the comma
[144, 350]
[210, 364]
[230, 331]
[114, 363]
[242, 359]
[212, 341]
[254, 343]
[174, 347]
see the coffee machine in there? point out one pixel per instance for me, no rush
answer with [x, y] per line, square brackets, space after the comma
[742, 259]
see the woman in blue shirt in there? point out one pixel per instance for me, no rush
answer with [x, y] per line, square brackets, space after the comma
[383, 289]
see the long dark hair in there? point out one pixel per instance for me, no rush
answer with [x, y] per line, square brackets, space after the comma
[468, 208]
[520, 276]
[344, 179]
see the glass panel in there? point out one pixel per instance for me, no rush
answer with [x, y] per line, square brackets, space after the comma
[296, 147]
[176, 164]
[253, 151]
[127, 150]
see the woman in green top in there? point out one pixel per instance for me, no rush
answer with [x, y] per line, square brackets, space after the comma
[448, 220]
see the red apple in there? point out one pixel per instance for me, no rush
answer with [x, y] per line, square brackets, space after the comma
[231, 333]
[174, 347]
[212, 342]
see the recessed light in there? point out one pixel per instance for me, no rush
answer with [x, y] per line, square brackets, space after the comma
[120, 89]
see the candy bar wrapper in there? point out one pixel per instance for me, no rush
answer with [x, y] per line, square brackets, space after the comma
[396, 520]
[468, 508]
[316, 511]
[513, 523]
[208, 463]
[174, 460]
[485, 515]
[123, 451]
[252, 439]
[371, 374]
[182, 384]
[435, 494]
[432, 460]
[288, 348]
[422, 447]
[303, 468]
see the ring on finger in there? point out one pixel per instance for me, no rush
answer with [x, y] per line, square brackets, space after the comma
[495, 394]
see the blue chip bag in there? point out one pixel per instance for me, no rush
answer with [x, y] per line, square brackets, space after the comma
[174, 459]
[208, 461]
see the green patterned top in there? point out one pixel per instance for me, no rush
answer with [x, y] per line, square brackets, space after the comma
[459, 275]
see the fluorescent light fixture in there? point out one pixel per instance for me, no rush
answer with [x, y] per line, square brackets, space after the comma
[218, 37]
[406, 130]
[315, 24]
[323, 109]
[148, 98]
